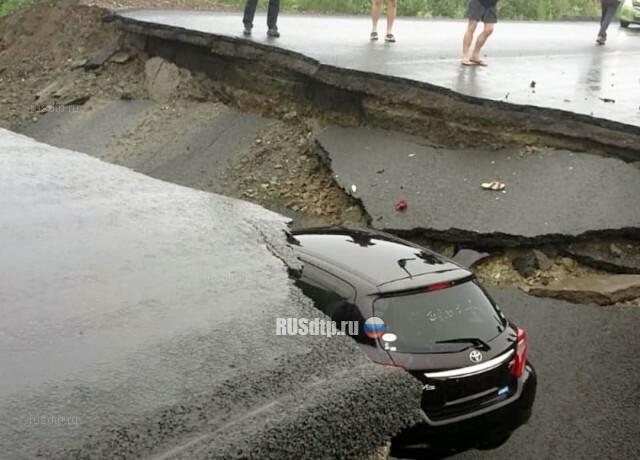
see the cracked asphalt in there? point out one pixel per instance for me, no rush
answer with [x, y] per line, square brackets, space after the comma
[78, 343]
[569, 71]
[549, 194]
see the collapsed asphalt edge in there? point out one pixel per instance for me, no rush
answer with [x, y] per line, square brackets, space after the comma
[613, 138]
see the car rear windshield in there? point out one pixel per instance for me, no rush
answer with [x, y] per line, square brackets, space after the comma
[420, 319]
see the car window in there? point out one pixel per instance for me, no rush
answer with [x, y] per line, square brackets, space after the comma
[334, 297]
[330, 285]
[420, 319]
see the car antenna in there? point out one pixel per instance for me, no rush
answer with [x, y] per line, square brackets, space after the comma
[403, 265]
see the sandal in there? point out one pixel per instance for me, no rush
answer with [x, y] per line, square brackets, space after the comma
[479, 62]
[493, 185]
[390, 38]
[374, 35]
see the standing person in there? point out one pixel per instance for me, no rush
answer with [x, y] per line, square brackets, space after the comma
[376, 6]
[478, 10]
[272, 17]
[609, 9]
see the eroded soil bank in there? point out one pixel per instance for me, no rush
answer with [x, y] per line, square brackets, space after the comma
[65, 55]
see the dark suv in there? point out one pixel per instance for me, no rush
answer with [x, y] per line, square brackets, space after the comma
[439, 325]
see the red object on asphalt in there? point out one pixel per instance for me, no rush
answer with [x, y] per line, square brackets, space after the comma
[401, 205]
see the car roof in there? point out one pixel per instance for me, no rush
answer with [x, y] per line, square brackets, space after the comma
[374, 256]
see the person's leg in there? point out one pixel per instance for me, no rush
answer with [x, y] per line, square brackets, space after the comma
[249, 13]
[392, 6]
[603, 8]
[609, 11]
[376, 5]
[272, 14]
[468, 38]
[480, 41]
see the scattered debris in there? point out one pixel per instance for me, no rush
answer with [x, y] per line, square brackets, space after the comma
[615, 250]
[542, 261]
[76, 101]
[165, 80]
[531, 262]
[290, 115]
[353, 189]
[619, 256]
[52, 90]
[121, 57]
[599, 289]
[401, 205]
[352, 217]
[528, 150]
[532, 84]
[569, 263]
[606, 99]
[102, 56]
[493, 185]
[526, 264]
[78, 64]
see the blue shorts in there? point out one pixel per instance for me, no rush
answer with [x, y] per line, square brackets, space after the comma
[476, 11]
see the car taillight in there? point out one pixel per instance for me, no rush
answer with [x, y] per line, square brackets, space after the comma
[521, 354]
[438, 287]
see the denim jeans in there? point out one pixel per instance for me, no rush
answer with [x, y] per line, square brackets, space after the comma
[272, 13]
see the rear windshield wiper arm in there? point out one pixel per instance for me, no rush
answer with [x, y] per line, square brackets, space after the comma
[478, 343]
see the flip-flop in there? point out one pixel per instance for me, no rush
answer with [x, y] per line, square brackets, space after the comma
[479, 62]
[467, 62]
[493, 185]
[374, 35]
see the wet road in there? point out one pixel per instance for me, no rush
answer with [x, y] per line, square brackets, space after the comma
[570, 72]
[445, 196]
[121, 298]
[137, 320]
[588, 393]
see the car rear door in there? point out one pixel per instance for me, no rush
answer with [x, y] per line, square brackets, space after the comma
[332, 295]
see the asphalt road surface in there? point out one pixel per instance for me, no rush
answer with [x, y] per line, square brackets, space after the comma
[556, 65]
[138, 320]
[445, 196]
[588, 396]
[120, 299]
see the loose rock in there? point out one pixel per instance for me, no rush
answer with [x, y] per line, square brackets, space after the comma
[542, 261]
[526, 264]
[599, 289]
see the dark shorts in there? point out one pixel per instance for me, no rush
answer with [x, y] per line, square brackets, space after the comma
[476, 11]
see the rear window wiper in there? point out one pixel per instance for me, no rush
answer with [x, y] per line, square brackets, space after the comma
[476, 342]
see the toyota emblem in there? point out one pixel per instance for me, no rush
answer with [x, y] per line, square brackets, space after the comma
[475, 356]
